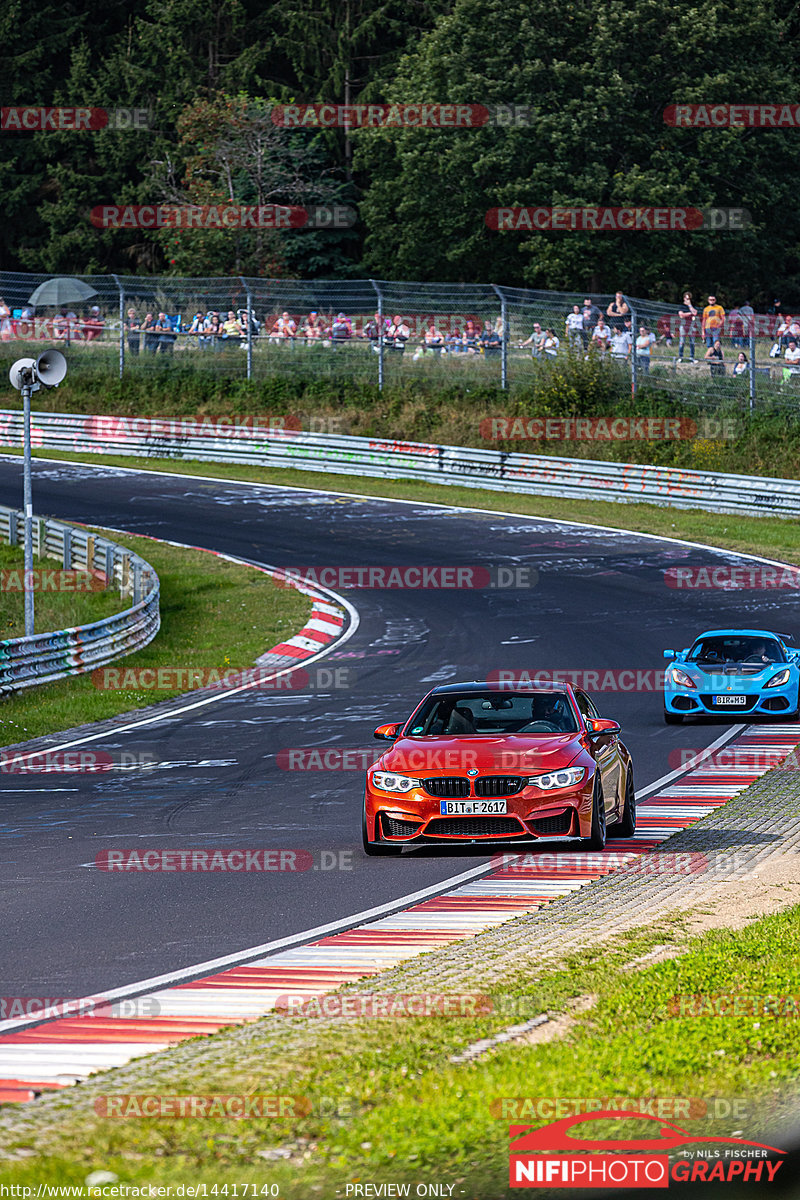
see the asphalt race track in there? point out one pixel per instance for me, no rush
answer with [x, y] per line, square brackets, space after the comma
[600, 602]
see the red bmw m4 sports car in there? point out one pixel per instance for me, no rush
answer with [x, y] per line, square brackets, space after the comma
[478, 763]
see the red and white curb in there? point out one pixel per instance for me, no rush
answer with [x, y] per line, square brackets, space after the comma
[61, 1051]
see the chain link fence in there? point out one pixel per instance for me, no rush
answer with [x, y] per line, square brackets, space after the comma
[375, 331]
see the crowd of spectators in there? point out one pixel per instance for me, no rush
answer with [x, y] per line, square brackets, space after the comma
[608, 332]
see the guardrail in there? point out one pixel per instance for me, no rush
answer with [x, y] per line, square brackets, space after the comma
[45, 657]
[496, 470]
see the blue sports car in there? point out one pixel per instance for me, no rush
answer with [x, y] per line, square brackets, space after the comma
[732, 671]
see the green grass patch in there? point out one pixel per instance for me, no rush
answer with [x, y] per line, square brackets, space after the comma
[390, 1106]
[53, 609]
[451, 401]
[215, 616]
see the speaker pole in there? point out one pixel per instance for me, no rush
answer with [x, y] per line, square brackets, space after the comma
[27, 501]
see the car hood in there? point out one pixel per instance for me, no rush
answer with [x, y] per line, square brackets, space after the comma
[724, 672]
[510, 754]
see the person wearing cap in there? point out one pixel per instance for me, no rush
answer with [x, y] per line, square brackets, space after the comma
[342, 328]
[93, 325]
[313, 328]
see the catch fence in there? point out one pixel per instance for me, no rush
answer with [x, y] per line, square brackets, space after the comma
[377, 331]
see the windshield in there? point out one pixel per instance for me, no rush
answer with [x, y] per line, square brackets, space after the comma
[736, 648]
[494, 713]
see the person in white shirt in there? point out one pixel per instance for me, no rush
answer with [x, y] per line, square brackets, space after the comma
[550, 344]
[601, 335]
[574, 324]
[643, 343]
[621, 342]
[792, 358]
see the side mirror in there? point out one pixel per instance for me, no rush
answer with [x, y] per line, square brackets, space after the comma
[387, 733]
[600, 727]
[670, 654]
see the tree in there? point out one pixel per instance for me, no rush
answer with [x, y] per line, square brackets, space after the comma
[600, 77]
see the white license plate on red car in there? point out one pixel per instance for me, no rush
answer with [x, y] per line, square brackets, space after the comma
[471, 808]
[730, 701]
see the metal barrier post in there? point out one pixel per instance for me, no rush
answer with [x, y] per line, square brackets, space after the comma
[249, 328]
[504, 347]
[121, 326]
[380, 334]
[634, 335]
[27, 504]
[752, 371]
[67, 554]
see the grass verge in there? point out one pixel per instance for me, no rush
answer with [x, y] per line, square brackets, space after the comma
[52, 609]
[215, 616]
[388, 1105]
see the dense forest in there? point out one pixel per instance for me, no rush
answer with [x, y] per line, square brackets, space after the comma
[598, 78]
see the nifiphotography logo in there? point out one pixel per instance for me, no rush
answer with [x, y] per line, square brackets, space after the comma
[552, 1156]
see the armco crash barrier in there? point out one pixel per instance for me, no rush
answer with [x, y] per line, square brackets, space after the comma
[496, 470]
[45, 657]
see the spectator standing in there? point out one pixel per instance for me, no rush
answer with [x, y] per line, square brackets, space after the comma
[601, 336]
[550, 344]
[148, 328]
[574, 325]
[713, 322]
[748, 320]
[644, 343]
[6, 328]
[590, 315]
[715, 356]
[687, 316]
[214, 331]
[535, 341]
[736, 327]
[166, 334]
[132, 330]
[617, 309]
[621, 342]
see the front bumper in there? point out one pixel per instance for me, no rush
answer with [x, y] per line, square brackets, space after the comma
[530, 816]
[777, 701]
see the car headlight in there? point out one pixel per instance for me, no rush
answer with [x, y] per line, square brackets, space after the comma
[680, 678]
[780, 679]
[557, 779]
[388, 782]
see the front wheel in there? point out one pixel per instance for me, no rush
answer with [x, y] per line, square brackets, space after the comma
[597, 837]
[375, 849]
[671, 718]
[626, 826]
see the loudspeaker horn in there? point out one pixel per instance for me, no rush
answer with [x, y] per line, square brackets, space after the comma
[14, 374]
[51, 367]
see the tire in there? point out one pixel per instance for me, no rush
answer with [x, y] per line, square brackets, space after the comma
[671, 718]
[597, 838]
[375, 849]
[626, 826]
